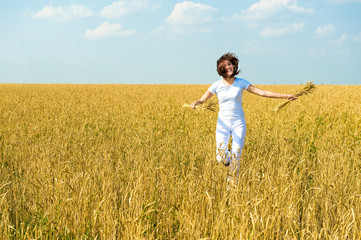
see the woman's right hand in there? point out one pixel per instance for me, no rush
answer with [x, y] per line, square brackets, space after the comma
[202, 100]
[194, 104]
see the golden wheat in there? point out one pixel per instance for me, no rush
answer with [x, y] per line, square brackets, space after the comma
[209, 105]
[307, 89]
[126, 162]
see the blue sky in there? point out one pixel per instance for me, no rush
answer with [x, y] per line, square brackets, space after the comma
[178, 42]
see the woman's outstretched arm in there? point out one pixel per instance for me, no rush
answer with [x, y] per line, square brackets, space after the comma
[202, 100]
[270, 94]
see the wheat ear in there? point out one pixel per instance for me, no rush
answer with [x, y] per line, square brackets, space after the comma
[309, 88]
[209, 105]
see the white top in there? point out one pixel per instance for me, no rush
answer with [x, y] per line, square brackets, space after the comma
[230, 98]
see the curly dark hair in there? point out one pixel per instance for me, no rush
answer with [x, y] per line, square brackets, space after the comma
[221, 68]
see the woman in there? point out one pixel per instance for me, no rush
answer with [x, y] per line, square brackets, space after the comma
[231, 120]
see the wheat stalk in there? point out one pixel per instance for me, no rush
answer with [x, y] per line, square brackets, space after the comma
[209, 105]
[307, 89]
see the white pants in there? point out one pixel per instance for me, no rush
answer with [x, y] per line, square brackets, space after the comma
[226, 128]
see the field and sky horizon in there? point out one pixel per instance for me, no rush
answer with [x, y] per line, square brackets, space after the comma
[167, 42]
[96, 141]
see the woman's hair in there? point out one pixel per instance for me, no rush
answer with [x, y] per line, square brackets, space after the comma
[221, 68]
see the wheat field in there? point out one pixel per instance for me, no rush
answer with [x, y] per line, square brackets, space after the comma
[129, 162]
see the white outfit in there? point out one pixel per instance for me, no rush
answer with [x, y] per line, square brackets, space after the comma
[231, 120]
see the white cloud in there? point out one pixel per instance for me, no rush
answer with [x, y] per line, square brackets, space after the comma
[173, 32]
[269, 32]
[267, 8]
[343, 1]
[64, 13]
[187, 18]
[106, 30]
[357, 37]
[342, 39]
[325, 30]
[120, 8]
[189, 13]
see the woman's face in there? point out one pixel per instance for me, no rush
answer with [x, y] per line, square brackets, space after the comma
[228, 66]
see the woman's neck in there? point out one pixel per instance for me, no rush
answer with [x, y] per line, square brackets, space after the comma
[229, 81]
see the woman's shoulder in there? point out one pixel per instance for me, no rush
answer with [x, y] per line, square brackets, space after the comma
[217, 82]
[242, 82]
[213, 88]
[240, 79]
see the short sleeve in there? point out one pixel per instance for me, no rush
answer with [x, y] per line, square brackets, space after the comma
[245, 84]
[213, 88]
